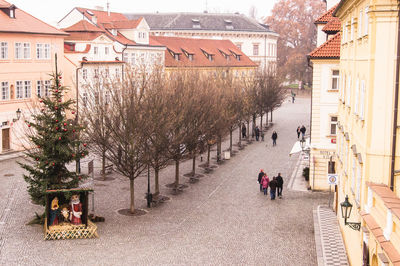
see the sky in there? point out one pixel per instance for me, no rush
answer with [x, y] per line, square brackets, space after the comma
[51, 11]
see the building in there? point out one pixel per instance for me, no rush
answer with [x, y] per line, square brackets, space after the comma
[205, 55]
[27, 58]
[325, 91]
[254, 39]
[368, 137]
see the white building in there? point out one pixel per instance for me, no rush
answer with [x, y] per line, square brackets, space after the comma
[256, 40]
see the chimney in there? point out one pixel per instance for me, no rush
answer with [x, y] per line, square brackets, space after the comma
[108, 8]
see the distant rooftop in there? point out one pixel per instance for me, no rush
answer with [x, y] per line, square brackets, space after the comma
[201, 21]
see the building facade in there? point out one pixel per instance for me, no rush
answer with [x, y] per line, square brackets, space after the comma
[325, 91]
[367, 140]
[27, 58]
[254, 39]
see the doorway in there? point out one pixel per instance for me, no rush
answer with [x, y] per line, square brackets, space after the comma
[5, 133]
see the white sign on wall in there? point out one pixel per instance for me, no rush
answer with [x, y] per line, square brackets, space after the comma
[332, 179]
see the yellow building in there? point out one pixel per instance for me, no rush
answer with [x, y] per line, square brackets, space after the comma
[367, 158]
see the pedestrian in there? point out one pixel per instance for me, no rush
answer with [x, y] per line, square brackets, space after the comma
[274, 137]
[298, 132]
[272, 188]
[257, 133]
[293, 96]
[243, 131]
[279, 186]
[265, 182]
[303, 131]
[260, 176]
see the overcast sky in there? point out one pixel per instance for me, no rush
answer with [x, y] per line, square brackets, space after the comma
[51, 11]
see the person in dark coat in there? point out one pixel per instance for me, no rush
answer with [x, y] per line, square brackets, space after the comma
[260, 176]
[272, 187]
[279, 180]
[257, 133]
[303, 131]
[298, 132]
[243, 131]
[274, 137]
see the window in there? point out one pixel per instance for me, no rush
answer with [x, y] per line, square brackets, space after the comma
[358, 184]
[3, 50]
[12, 14]
[19, 89]
[335, 79]
[357, 89]
[239, 46]
[5, 91]
[117, 72]
[27, 89]
[255, 49]
[42, 88]
[39, 88]
[331, 167]
[190, 56]
[95, 50]
[106, 50]
[27, 50]
[176, 57]
[43, 51]
[352, 29]
[348, 91]
[47, 84]
[359, 25]
[96, 73]
[366, 23]
[333, 125]
[18, 51]
[362, 100]
[133, 58]
[84, 98]
[84, 73]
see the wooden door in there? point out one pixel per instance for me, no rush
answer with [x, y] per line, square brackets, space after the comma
[6, 139]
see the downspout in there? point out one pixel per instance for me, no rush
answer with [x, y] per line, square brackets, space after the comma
[122, 57]
[309, 157]
[396, 104]
[78, 163]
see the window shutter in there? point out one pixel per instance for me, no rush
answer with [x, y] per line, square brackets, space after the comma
[356, 97]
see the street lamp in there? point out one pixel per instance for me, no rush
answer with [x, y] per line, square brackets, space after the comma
[18, 115]
[346, 207]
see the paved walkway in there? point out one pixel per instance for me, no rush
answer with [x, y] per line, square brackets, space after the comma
[222, 219]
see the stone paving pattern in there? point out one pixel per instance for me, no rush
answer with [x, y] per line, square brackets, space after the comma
[222, 219]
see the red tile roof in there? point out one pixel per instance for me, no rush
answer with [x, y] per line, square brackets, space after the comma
[333, 26]
[327, 16]
[83, 36]
[197, 46]
[391, 201]
[83, 25]
[24, 23]
[328, 50]
[102, 16]
[130, 24]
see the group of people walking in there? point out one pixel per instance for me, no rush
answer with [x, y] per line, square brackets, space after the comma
[301, 130]
[275, 184]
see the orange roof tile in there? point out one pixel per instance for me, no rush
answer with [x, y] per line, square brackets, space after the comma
[327, 16]
[24, 23]
[334, 25]
[199, 59]
[328, 50]
[389, 198]
[83, 36]
[130, 24]
[82, 25]
[103, 62]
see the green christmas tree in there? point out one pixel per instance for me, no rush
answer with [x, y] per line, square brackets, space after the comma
[55, 143]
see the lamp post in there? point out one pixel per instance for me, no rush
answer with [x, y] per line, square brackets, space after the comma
[346, 207]
[18, 112]
[149, 196]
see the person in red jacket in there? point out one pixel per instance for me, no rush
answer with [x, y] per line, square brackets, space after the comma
[264, 183]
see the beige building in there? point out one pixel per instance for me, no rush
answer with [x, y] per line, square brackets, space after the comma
[325, 91]
[367, 150]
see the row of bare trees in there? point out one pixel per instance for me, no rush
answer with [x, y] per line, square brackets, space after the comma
[153, 118]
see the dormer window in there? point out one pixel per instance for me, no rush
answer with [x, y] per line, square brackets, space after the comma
[228, 24]
[176, 57]
[225, 55]
[12, 13]
[209, 56]
[190, 56]
[196, 23]
[114, 32]
[10, 10]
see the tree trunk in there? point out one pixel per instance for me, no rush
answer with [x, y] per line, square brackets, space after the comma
[271, 115]
[194, 164]
[266, 120]
[103, 164]
[176, 173]
[156, 184]
[248, 129]
[254, 126]
[219, 149]
[261, 117]
[132, 189]
[230, 140]
[208, 154]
